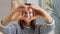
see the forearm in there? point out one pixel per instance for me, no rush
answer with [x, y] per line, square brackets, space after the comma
[48, 19]
[49, 27]
[46, 16]
[6, 21]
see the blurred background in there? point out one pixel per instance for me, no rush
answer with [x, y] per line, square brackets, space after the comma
[51, 6]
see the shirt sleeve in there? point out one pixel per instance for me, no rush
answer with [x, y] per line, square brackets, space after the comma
[46, 28]
[9, 29]
[49, 27]
[53, 23]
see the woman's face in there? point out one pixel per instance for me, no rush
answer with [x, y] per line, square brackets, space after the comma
[28, 14]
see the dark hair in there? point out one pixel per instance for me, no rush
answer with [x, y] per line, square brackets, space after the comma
[27, 4]
[22, 23]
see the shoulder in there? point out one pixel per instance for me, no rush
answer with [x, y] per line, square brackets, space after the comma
[9, 29]
[41, 26]
[12, 28]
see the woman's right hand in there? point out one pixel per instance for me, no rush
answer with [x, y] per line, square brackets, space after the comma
[17, 14]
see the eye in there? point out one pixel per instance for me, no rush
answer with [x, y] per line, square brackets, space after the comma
[30, 12]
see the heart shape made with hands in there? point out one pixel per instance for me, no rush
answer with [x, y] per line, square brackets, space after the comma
[18, 16]
[18, 13]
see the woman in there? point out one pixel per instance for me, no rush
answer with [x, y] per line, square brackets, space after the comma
[26, 15]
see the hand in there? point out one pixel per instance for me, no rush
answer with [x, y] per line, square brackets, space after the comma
[39, 12]
[17, 14]
[36, 11]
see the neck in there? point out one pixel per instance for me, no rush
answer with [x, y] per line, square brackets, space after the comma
[27, 24]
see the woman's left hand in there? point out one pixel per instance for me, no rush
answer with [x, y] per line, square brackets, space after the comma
[39, 12]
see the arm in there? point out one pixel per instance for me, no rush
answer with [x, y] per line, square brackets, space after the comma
[47, 28]
[15, 15]
[40, 12]
[46, 16]
[49, 21]
[6, 20]
[50, 28]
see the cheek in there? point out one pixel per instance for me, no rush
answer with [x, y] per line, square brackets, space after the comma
[31, 13]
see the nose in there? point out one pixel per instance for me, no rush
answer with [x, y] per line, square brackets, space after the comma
[28, 15]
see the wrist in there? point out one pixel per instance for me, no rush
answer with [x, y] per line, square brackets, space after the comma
[5, 21]
[48, 19]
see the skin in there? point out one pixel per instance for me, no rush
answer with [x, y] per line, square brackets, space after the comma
[1, 33]
[16, 3]
[42, 14]
[23, 13]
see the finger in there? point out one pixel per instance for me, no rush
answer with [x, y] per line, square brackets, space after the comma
[35, 7]
[14, 16]
[35, 17]
[23, 18]
[20, 8]
[32, 18]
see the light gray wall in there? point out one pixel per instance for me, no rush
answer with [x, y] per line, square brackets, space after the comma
[57, 5]
[5, 9]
